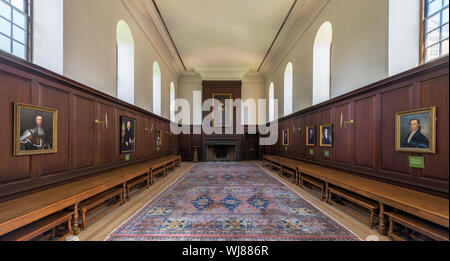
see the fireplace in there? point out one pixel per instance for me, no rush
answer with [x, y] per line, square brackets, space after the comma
[222, 153]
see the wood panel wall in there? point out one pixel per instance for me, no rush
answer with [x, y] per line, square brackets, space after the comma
[84, 148]
[367, 147]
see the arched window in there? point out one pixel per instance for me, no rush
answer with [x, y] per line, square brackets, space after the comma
[288, 83]
[156, 89]
[322, 64]
[172, 101]
[271, 102]
[125, 63]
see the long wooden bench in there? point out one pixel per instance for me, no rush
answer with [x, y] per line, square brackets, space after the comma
[42, 226]
[136, 182]
[369, 205]
[21, 211]
[422, 205]
[316, 183]
[426, 228]
[157, 168]
[98, 204]
[283, 165]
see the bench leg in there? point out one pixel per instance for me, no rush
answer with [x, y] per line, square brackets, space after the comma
[391, 228]
[83, 219]
[122, 200]
[382, 226]
[148, 180]
[151, 176]
[53, 234]
[124, 191]
[69, 226]
[76, 229]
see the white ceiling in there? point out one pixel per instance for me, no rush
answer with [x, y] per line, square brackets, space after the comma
[223, 38]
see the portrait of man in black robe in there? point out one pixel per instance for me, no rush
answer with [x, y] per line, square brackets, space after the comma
[127, 142]
[311, 136]
[326, 136]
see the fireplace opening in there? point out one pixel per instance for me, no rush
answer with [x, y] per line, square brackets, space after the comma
[222, 153]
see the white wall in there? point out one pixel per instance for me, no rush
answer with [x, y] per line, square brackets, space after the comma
[359, 50]
[253, 88]
[187, 84]
[404, 35]
[90, 50]
[48, 34]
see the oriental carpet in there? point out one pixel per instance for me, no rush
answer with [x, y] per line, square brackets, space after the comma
[230, 202]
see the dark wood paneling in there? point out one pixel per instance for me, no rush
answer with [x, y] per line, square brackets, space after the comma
[84, 148]
[343, 142]
[435, 92]
[367, 147]
[365, 133]
[106, 136]
[394, 101]
[301, 134]
[84, 131]
[55, 98]
[12, 89]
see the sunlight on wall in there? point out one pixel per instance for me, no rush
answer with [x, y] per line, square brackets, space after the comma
[322, 64]
[125, 63]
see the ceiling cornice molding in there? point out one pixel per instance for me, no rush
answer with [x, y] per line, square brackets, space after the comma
[157, 19]
[222, 75]
[153, 35]
[190, 78]
[253, 78]
[296, 25]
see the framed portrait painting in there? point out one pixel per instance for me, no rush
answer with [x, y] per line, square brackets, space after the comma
[35, 130]
[222, 110]
[286, 137]
[158, 138]
[311, 136]
[415, 131]
[127, 135]
[326, 135]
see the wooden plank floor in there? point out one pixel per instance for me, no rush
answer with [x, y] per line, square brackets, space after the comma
[101, 228]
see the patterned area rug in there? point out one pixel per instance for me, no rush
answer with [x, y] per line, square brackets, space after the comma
[230, 202]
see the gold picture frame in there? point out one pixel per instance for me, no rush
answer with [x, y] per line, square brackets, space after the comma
[286, 137]
[326, 141]
[217, 96]
[311, 142]
[415, 131]
[30, 128]
[158, 138]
